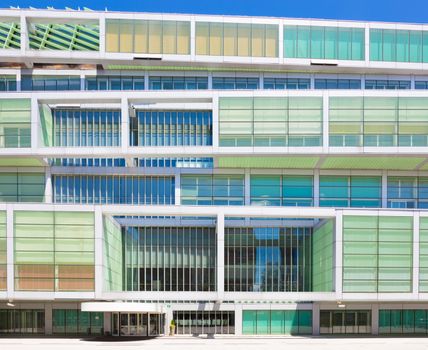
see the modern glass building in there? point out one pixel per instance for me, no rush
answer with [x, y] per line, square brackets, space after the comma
[246, 176]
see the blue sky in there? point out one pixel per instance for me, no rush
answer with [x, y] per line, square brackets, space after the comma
[371, 10]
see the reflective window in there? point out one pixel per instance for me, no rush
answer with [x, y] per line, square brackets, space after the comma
[171, 259]
[86, 127]
[15, 123]
[267, 259]
[88, 189]
[113, 82]
[236, 39]
[204, 322]
[49, 83]
[407, 192]
[345, 322]
[212, 189]
[22, 187]
[398, 45]
[341, 84]
[3, 253]
[235, 83]
[148, 36]
[178, 83]
[276, 190]
[89, 162]
[22, 321]
[388, 84]
[402, 321]
[276, 322]
[171, 128]
[324, 42]
[71, 321]
[421, 85]
[286, 83]
[350, 191]
[274, 122]
[8, 82]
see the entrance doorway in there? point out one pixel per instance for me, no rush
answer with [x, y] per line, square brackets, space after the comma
[137, 324]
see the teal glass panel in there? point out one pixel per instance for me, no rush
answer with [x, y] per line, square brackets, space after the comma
[408, 321]
[389, 45]
[289, 321]
[290, 41]
[384, 321]
[330, 36]
[249, 322]
[421, 321]
[415, 46]
[425, 47]
[263, 322]
[303, 42]
[376, 45]
[345, 44]
[334, 187]
[396, 322]
[358, 36]
[58, 321]
[402, 37]
[277, 322]
[365, 187]
[84, 323]
[305, 322]
[317, 42]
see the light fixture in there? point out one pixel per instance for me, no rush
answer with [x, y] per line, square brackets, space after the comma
[10, 303]
[340, 305]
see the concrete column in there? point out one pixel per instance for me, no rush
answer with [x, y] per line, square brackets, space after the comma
[338, 250]
[99, 277]
[220, 256]
[375, 319]
[415, 289]
[48, 319]
[315, 319]
[107, 322]
[48, 186]
[169, 316]
[238, 319]
[10, 252]
[192, 39]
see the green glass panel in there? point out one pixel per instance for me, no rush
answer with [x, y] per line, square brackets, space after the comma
[396, 321]
[263, 322]
[376, 45]
[415, 46]
[34, 217]
[317, 42]
[277, 322]
[290, 41]
[249, 322]
[331, 43]
[345, 44]
[58, 321]
[305, 322]
[384, 321]
[74, 218]
[389, 45]
[402, 37]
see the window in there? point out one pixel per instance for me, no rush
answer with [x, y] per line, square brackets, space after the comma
[388, 84]
[8, 82]
[235, 83]
[178, 83]
[49, 83]
[70, 321]
[104, 82]
[201, 322]
[341, 84]
[286, 83]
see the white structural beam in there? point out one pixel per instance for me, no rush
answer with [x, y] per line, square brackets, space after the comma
[220, 256]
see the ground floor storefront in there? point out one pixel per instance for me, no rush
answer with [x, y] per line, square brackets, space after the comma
[252, 319]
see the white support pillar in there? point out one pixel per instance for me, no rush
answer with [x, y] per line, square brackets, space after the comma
[24, 35]
[215, 119]
[35, 122]
[315, 319]
[10, 253]
[177, 188]
[192, 39]
[48, 319]
[48, 186]
[316, 187]
[169, 316]
[367, 43]
[338, 252]
[325, 122]
[18, 80]
[99, 277]
[384, 189]
[220, 256]
[375, 319]
[281, 42]
[416, 225]
[107, 322]
[102, 29]
[238, 319]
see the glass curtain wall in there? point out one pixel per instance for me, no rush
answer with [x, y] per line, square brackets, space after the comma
[235, 83]
[114, 189]
[277, 190]
[178, 83]
[402, 321]
[7, 82]
[212, 189]
[86, 127]
[148, 36]
[49, 83]
[338, 84]
[204, 322]
[236, 39]
[324, 42]
[170, 259]
[407, 192]
[378, 121]
[267, 259]
[398, 45]
[345, 322]
[377, 254]
[22, 321]
[3, 252]
[54, 251]
[350, 191]
[276, 322]
[274, 122]
[22, 187]
[72, 321]
[15, 123]
[114, 82]
[171, 128]
[286, 83]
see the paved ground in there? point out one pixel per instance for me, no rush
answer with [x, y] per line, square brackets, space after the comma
[223, 343]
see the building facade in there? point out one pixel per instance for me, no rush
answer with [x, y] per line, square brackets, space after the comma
[246, 176]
